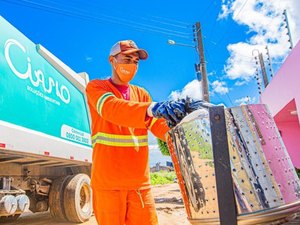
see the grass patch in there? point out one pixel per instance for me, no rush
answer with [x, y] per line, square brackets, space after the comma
[162, 177]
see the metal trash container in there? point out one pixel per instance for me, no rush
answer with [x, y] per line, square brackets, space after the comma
[265, 185]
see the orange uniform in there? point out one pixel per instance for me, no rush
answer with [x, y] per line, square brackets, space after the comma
[120, 137]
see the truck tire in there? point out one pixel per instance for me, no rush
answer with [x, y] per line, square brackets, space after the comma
[56, 198]
[78, 198]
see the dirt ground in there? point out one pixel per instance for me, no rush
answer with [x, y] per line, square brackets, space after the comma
[169, 205]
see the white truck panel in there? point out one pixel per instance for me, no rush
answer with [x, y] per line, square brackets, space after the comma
[23, 140]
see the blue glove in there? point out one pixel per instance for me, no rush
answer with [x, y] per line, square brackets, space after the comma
[191, 105]
[174, 111]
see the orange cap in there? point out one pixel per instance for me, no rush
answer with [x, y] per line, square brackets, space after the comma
[127, 47]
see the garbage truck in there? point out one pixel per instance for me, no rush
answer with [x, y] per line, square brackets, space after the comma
[45, 143]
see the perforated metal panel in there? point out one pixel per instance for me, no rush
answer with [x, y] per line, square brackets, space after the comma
[264, 178]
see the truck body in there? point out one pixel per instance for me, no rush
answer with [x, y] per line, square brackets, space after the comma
[45, 143]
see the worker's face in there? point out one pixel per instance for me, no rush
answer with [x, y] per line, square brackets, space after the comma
[132, 58]
[125, 66]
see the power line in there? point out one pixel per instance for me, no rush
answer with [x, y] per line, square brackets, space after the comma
[242, 7]
[166, 23]
[214, 69]
[132, 14]
[217, 94]
[127, 22]
[212, 28]
[229, 98]
[159, 19]
[172, 20]
[229, 30]
[207, 9]
[109, 19]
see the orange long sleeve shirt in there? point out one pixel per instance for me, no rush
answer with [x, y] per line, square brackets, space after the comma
[120, 136]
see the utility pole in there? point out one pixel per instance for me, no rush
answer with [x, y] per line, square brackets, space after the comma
[200, 50]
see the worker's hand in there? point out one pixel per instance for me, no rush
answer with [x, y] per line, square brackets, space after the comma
[191, 105]
[174, 111]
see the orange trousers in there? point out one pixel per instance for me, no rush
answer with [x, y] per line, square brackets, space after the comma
[119, 207]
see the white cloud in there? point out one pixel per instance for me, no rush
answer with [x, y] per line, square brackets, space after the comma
[227, 7]
[245, 100]
[212, 73]
[239, 65]
[264, 18]
[219, 87]
[192, 89]
[240, 83]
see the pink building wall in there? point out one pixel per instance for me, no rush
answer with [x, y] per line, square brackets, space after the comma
[290, 133]
[282, 96]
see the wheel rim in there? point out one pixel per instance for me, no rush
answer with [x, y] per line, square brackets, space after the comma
[85, 198]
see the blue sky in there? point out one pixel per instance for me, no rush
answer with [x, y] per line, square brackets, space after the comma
[81, 34]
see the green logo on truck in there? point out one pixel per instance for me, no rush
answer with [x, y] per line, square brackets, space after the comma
[34, 95]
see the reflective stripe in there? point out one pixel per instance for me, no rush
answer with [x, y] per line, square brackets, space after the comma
[120, 140]
[101, 101]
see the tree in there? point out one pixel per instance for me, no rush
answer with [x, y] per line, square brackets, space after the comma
[163, 147]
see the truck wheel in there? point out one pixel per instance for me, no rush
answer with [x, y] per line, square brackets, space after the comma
[78, 198]
[56, 198]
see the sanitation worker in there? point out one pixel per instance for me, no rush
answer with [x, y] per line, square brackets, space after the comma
[121, 116]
